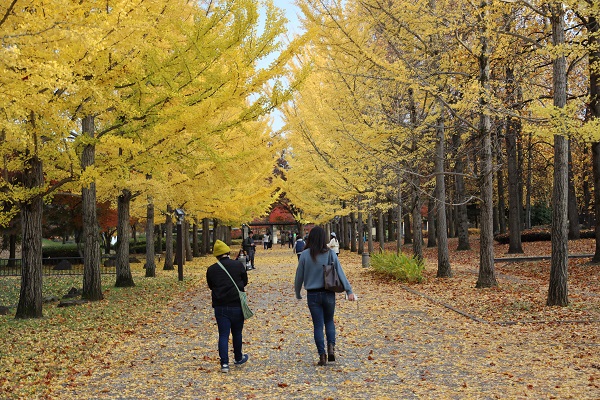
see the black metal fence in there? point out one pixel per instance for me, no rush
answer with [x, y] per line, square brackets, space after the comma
[56, 266]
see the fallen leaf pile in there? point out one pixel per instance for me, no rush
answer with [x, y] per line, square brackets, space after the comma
[438, 339]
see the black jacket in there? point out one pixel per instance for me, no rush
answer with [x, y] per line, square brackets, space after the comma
[223, 291]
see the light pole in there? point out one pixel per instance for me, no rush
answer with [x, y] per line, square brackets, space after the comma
[180, 215]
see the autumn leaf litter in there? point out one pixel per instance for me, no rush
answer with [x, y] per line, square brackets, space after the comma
[399, 341]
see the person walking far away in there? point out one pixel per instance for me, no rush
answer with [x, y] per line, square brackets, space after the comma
[226, 302]
[334, 244]
[250, 249]
[265, 241]
[299, 246]
[321, 303]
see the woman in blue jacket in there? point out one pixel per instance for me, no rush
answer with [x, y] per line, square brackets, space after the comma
[321, 302]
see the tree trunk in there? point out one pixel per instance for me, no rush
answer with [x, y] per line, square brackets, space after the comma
[206, 236]
[391, 234]
[124, 277]
[487, 275]
[353, 247]
[459, 186]
[361, 229]
[92, 282]
[380, 232]
[189, 256]
[444, 270]
[370, 233]
[587, 195]
[594, 108]
[106, 240]
[399, 218]
[195, 244]
[150, 263]
[431, 222]
[501, 189]
[344, 230]
[450, 219]
[159, 237]
[12, 249]
[572, 207]
[408, 235]
[168, 266]
[529, 184]
[596, 171]
[30, 297]
[513, 129]
[557, 289]
[417, 239]
[217, 230]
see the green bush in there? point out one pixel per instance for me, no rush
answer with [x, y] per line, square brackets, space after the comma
[541, 214]
[60, 250]
[400, 266]
[540, 235]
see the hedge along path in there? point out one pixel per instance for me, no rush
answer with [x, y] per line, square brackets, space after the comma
[391, 344]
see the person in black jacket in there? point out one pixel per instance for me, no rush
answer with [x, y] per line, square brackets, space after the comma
[226, 302]
[249, 246]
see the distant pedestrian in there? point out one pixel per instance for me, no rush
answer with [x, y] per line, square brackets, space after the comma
[321, 303]
[265, 241]
[250, 248]
[299, 246]
[290, 240]
[226, 302]
[334, 244]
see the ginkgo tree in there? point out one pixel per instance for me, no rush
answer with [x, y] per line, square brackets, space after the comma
[114, 95]
[36, 147]
[456, 59]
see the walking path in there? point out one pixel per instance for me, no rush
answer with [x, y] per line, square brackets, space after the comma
[392, 344]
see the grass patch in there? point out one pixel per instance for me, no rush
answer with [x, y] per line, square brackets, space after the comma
[400, 266]
[69, 341]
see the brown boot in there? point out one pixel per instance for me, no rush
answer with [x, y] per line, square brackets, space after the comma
[322, 359]
[330, 352]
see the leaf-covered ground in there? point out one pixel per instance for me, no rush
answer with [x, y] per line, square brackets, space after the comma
[439, 339]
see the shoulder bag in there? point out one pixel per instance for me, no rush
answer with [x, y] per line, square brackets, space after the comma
[248, 313]
[331, 276]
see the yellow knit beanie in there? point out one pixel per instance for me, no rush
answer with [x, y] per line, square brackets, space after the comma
[220, 248]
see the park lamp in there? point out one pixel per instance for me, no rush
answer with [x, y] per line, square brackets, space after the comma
[179, 213]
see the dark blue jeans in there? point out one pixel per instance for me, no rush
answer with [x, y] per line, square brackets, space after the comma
[322, 308]
[229, 319]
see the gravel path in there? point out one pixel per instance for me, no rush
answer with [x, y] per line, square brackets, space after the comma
[393, 344]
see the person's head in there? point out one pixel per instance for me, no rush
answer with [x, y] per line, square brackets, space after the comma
[316, 242]
[333, 235]
[220, 249]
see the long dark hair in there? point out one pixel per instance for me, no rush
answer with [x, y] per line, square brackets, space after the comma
[316, 242]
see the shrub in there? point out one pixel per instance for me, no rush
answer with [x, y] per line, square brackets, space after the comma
[58, 251]
[541, 214]
[540, 235]
[400, 266]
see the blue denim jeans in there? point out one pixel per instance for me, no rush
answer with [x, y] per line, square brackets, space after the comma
[322, 308]
[229, 320]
